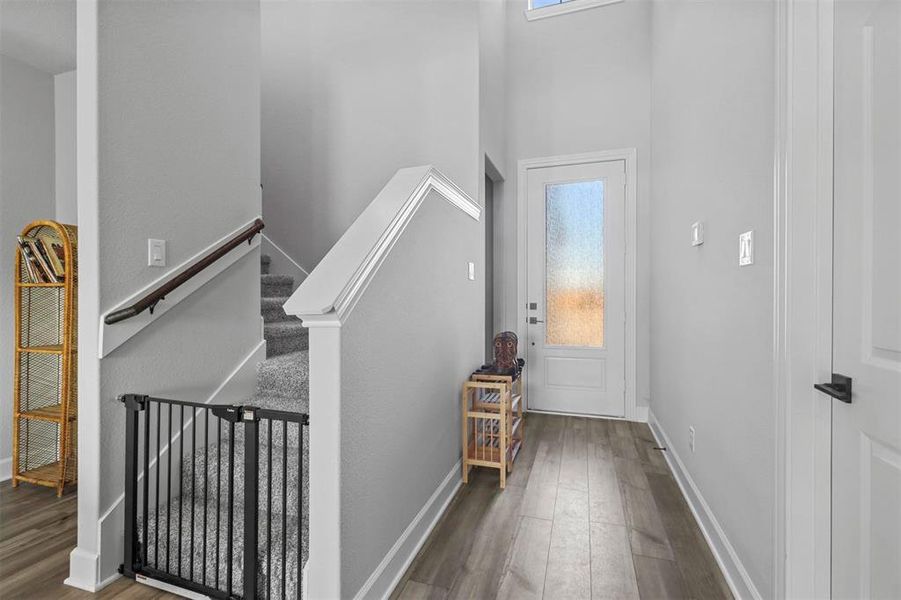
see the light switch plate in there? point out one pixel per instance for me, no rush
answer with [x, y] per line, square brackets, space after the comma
[472, 271]
[697, 233]
[746, 249]
[156, 253]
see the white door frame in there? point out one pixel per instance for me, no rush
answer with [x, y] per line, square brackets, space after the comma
[629, 156]
[803, 296]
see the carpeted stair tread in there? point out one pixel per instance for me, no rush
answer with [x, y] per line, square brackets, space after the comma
[276, 279]
[193, 469]
[276, 285]
[168, 529]
[273, 310]
[286, 375]
[284, 337]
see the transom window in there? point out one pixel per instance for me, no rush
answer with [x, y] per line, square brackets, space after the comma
[538, 9]
[543, 3]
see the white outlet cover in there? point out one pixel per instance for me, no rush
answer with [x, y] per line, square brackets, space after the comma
[746, 249]
[697, 233]
[472, 271]
[156, 253]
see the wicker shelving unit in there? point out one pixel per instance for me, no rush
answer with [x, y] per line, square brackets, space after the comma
[45, 370]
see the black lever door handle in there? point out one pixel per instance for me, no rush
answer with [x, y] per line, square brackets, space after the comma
[839, 388]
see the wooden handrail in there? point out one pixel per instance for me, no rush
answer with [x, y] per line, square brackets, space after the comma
[151, 299]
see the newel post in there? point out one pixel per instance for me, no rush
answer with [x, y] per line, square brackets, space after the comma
[324, 563]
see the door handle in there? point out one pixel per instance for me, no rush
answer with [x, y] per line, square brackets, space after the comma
[534, 320]
[839, 388]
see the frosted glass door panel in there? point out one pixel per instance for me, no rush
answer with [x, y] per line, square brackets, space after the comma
[575, 264]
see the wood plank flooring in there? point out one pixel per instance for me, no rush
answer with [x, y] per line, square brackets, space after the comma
[37, 532]
[591, 511]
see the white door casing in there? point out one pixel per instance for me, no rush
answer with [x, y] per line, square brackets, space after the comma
[866, 434]
[576, 284]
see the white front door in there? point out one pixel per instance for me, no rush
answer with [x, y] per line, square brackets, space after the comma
[866, 434]
[576, 288]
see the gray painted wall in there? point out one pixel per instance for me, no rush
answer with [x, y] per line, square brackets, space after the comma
[353, 91]
[492, 80]
[64, 148]
[176, 162]
[493, 137]
[401, 377]
[579, 83]
[26, 194]
[711, 321]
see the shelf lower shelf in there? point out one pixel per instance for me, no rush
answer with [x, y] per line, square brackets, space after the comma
[46, 413]
[50, 349]
[486, 456]
[491, 402]
[40, 285]
[44, 475]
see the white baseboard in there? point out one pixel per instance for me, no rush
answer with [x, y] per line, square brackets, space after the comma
[282, 263]
[392, 568]
[237, 386]
[304, 594]
[241, 382]
[83, 570]
[558, 413]
[734, 571]
[641, 414]
[6, 468]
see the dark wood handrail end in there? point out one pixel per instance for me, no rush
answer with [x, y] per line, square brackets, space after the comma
[120, 315]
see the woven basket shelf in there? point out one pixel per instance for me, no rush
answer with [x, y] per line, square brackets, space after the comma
[45, 370]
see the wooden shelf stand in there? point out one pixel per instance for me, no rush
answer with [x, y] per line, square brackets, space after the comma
[493, 423]
[45, 370]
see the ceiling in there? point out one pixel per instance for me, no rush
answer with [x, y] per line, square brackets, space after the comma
[40, 33]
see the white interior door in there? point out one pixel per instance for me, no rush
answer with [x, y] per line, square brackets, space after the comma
[576, 288]
[866, 434]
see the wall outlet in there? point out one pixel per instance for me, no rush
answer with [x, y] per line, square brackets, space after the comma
[472, 271]
[156, 253]
[691, 439]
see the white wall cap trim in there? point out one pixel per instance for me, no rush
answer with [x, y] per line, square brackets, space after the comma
[113, 336]
[341, 277]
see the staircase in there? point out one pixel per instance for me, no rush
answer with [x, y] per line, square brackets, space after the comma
[282, 384]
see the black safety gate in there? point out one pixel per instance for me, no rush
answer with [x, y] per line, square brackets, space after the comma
[196, 514]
